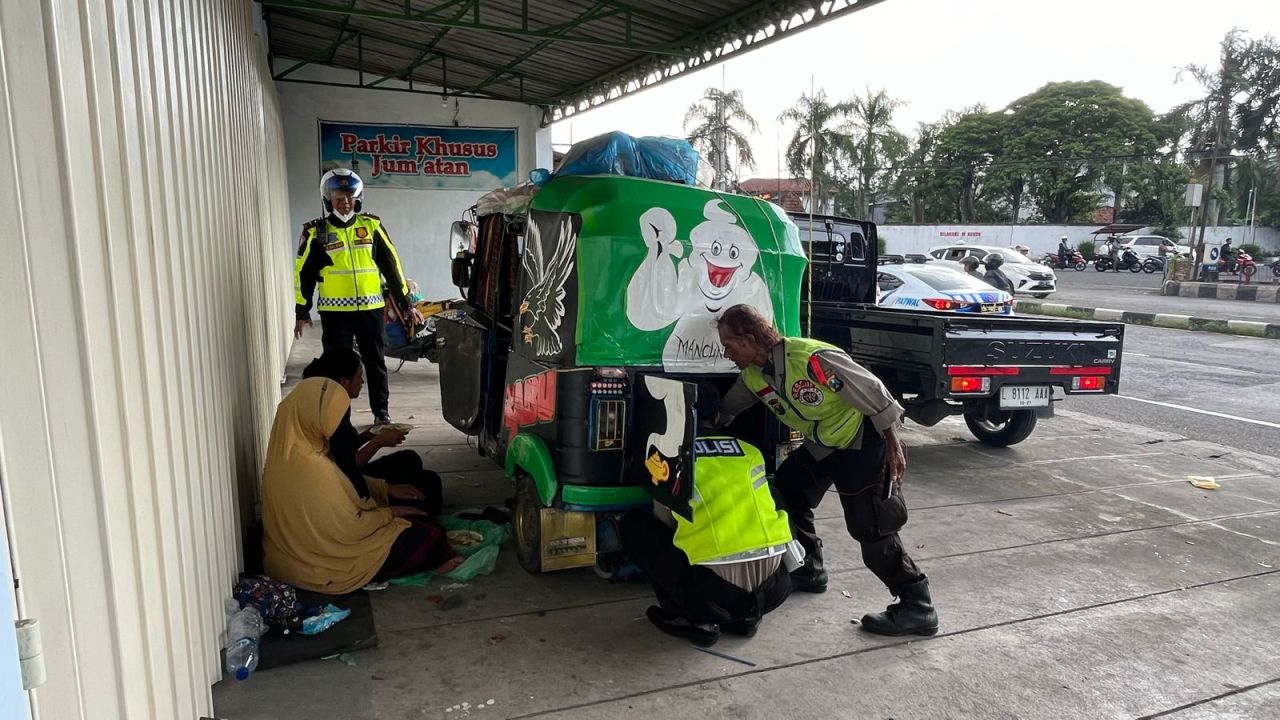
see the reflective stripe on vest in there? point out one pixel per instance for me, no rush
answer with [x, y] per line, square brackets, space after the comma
[352, 281]
[806, 400]
[733, 510]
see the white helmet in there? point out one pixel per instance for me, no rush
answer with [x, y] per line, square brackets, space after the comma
[1064, 238]
[345, 180]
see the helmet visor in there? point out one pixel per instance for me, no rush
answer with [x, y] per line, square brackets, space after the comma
[341, 183]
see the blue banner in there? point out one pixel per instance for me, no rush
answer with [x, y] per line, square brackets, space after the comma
[420, 156]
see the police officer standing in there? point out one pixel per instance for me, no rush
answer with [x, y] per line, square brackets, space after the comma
[850, 424]
[347, 253]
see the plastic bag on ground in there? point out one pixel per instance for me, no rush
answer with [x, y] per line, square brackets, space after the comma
[480, 558]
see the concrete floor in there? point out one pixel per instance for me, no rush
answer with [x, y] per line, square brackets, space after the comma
[1078, 575]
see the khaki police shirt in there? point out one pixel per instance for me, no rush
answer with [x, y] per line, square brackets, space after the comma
[862, 390]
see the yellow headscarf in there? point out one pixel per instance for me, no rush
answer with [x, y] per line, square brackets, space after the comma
[319, 535]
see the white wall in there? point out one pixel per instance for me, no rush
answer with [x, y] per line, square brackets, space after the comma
[417, 220]
[902, 239]
[146, 299]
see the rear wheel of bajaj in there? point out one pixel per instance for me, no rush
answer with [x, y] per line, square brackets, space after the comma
[527, 519]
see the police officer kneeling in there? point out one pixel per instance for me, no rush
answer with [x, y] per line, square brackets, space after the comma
[849, 421]
[724, 570]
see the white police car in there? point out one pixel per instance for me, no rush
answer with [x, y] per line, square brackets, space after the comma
[935, 287]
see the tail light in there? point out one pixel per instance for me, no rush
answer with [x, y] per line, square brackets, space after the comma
[607, 422]
[1088, 383]
[943, 304]
[1084, 379]
[970, 385]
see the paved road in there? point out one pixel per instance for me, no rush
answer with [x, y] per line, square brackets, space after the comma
[1139, 292]
[1235, 377]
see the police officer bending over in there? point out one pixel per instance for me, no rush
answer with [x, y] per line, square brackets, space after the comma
[724, 570]
[850, 422]
[347, 253]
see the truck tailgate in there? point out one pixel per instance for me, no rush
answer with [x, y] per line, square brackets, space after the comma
[1009, 350]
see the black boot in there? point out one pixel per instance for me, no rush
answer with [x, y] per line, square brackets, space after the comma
[700, 635]
[810, 577]
[912, 614]
[742, 628]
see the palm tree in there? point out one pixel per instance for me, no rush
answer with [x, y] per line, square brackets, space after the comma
[819, 142]
[876, 143]
[715, 135]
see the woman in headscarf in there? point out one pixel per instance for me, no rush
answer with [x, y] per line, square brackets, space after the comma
[319, 534]
[401, 478]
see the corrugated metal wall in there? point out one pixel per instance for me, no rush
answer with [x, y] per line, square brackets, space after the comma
[145, 300]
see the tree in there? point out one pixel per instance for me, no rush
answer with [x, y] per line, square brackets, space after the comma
[874, 144]
[965, 149]
[1065, 131]
[1239, 114]
[819, 141]
[715, 119]
[1155, 193]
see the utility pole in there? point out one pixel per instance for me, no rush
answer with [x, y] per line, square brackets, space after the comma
[1119, 189]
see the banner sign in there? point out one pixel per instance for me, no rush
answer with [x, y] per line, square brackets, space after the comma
[420, 156]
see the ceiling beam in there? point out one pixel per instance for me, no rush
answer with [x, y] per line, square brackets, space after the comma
[731, 35]
[419, 47]
[431, 19]
[427, 54]
[594, 13]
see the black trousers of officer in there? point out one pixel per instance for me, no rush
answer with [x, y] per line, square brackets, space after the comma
[859, 477]
[339, 329]
[694, 592]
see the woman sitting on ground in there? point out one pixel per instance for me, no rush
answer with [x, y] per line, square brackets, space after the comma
[319, 534]
[401, 478]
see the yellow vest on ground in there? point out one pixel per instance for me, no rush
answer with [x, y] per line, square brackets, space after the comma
[807, 400]
[733, 511]
[352, 280]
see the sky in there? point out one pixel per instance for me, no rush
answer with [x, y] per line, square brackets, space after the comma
[940, 55]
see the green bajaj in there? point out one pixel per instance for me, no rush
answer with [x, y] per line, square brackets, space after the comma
[589, 320]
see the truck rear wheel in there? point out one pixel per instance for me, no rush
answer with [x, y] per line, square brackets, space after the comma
[1001, 428]
[527, 519]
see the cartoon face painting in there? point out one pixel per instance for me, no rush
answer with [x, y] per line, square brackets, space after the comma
[723, 255]
[691, 292]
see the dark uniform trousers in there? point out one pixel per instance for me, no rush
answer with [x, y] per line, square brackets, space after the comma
[858, 475]
[338, 329]
[694, 592]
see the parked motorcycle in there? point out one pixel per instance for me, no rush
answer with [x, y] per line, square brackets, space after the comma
[1075, 262]
[1152, 264]
[1129, 260]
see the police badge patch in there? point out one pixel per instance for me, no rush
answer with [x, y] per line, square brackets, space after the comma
[806, 393]
[362, 233]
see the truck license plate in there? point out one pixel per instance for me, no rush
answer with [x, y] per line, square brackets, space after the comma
[1024, 396]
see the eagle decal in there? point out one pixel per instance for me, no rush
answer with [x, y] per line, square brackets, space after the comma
[548, 264]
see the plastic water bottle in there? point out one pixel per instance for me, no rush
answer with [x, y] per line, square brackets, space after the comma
[244, 629]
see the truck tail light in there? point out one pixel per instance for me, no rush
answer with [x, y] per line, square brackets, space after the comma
[965, 385]
[1088, 383]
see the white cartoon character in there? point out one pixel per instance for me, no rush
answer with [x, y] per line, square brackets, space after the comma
[692, 292]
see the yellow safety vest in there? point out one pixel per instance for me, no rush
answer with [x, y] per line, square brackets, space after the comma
[733, 511]
[807, 399]
[352, 280]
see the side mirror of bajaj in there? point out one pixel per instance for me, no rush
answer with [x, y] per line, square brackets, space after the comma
[462, 236]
